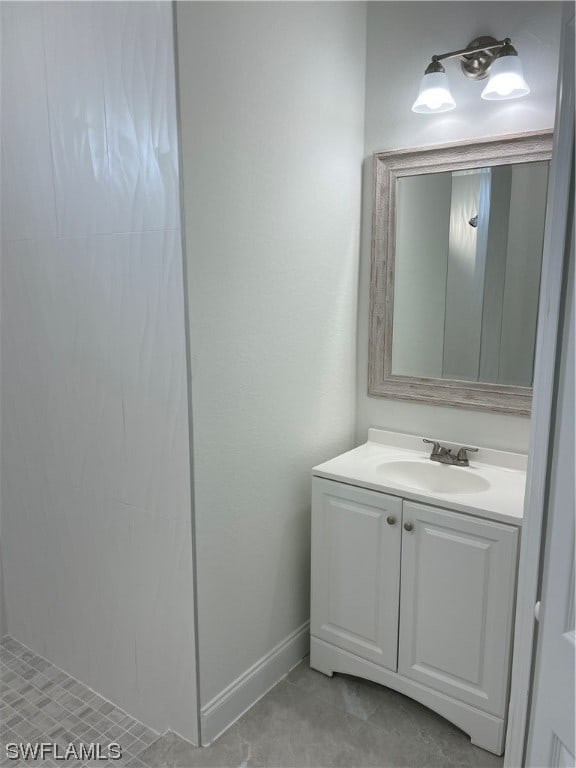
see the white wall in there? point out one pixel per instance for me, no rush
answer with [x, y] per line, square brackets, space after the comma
[495, 271]
[402, 36]
[422, 237]
[96, 529]
[272, 104]
[523, 266]
[465, 275]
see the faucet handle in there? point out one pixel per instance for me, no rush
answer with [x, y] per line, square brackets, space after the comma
[463, 452]
[434, 443]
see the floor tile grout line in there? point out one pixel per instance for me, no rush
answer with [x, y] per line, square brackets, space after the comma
[48, 735]
[19, 660]
[43, 736]
[29, 650]
[110, 723]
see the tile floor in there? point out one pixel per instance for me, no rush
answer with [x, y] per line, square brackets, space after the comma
[307, 720]
[41, 703]
[312, 720]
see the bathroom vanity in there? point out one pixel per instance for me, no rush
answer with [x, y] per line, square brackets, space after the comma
[414, 576]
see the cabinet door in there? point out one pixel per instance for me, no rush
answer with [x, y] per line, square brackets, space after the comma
[356, 538]
[456, 604]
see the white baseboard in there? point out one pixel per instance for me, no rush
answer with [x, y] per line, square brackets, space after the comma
[231, 703]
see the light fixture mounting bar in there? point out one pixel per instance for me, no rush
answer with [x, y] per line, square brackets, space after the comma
[472, 49]
[476, 58]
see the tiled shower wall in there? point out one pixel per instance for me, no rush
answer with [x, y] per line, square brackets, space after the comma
[96, 528]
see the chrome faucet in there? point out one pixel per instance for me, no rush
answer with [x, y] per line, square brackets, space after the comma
[446, 456]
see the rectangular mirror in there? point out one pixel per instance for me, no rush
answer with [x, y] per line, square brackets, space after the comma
[457, 254]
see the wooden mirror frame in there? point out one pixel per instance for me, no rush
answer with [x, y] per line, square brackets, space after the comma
[388, 167]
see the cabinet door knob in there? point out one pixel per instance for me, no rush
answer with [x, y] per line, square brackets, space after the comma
[408, 526]
[390, 520]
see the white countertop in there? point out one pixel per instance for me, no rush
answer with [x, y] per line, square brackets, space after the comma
[505, 473]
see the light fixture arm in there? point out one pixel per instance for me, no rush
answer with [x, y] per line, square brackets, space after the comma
[471, 49]
[476, 58]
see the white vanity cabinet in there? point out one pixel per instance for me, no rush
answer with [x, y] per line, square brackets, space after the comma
[456, 605]
[356, 542]
[417, 598]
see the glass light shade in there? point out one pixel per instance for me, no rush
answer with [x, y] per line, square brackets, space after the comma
[434, 94]
[506, 79]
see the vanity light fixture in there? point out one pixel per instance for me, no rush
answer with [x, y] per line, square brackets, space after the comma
[482, 57]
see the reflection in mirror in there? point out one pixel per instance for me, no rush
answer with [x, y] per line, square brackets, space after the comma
[468, 252]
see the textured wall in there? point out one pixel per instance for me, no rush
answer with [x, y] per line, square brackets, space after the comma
[96, 528]
[272, 104]
[402, 36]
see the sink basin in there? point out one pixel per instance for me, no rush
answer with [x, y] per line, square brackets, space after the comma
[432, 477]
